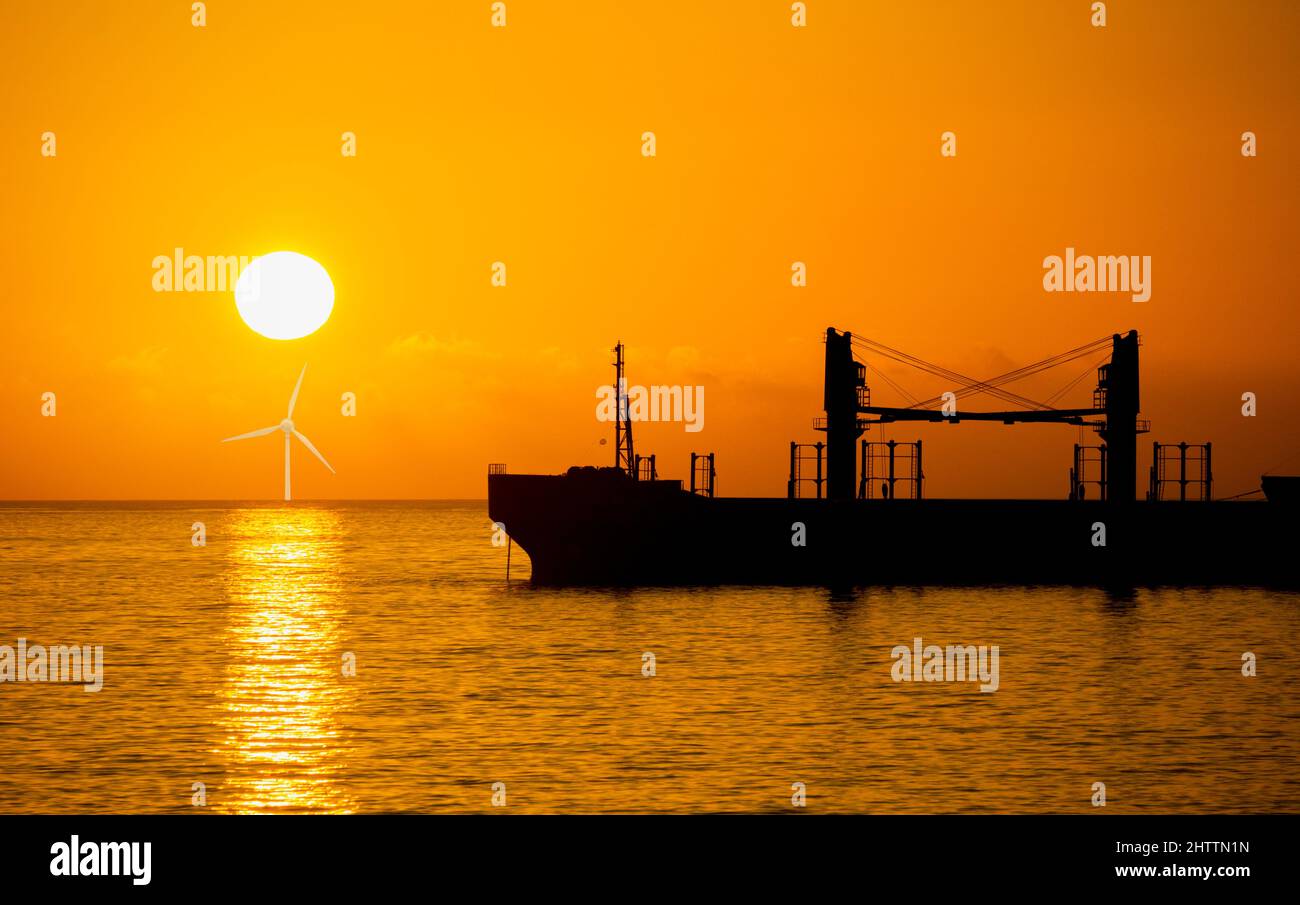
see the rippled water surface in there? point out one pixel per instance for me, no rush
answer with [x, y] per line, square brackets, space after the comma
[224, 665]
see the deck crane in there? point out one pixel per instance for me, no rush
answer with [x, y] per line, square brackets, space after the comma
[1114, 412]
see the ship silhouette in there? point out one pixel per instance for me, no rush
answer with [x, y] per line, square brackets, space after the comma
[855, 512]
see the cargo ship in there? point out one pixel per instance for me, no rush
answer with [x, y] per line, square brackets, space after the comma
[855, 512]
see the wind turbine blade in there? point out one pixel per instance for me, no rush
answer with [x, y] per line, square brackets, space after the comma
[293, 400]
[307, 443]
[262, 433]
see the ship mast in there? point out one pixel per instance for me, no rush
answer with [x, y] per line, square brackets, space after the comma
[624, 459]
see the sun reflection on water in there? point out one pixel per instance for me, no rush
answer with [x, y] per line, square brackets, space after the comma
[281, 742]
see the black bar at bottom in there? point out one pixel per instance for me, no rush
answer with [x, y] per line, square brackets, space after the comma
[659, 856]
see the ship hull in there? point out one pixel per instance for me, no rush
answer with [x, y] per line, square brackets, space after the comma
[603, 529]
[1281, 488]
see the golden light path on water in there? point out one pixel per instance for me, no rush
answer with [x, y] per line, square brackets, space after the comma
[284, 690]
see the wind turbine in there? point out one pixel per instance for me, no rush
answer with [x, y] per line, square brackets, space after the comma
[287, 426]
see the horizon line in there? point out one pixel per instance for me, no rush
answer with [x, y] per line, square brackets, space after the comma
[7, 501]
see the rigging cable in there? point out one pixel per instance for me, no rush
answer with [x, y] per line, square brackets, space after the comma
[990, 386]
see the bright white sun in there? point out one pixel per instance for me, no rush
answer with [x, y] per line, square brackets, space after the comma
[284, 295]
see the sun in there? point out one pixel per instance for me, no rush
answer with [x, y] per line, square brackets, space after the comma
[284, 295]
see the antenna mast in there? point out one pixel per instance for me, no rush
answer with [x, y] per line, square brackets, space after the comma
[623, 456]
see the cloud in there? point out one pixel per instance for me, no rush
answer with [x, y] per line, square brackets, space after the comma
[144, 363]
[426, 346]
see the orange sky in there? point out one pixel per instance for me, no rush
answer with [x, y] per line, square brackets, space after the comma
[522, 144]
